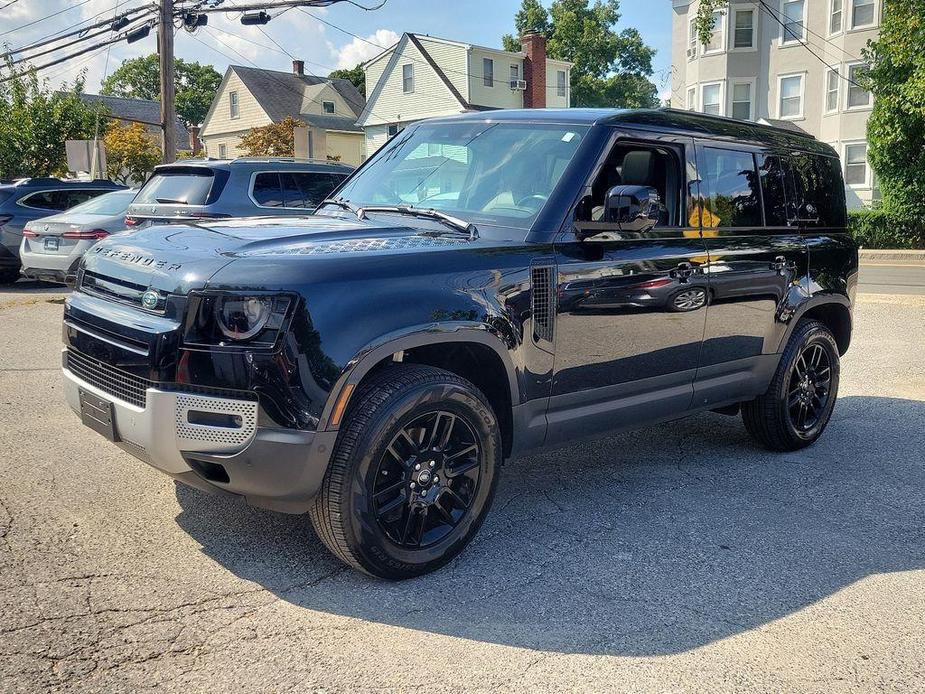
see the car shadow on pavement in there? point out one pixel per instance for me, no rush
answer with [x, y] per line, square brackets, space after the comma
[648, 543]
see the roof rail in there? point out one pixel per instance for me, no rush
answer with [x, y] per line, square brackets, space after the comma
[293, 160]
[737, 121]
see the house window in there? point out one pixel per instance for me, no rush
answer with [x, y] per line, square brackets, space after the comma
[407, 78]
[790, 91]
[856, 170]
[328, 106]
[794, 29]
[832, 82]
[393, 129]
[515, 75]
[862, 13]
[233, 105]
[692, 40]
[742, 100]
[835, 17]
[488, 72]
[222, 151]
[744, 34]
[692, 98]
[561, 83]
[715, 44]
[712, 97]
[858, 97]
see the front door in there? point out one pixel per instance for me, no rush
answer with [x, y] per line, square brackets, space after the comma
[758, 263]
[631, 307]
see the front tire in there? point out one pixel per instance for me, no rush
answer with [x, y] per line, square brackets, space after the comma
[413, 473]
[798, 404]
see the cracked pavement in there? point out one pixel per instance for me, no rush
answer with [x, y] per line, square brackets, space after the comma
[675, 558]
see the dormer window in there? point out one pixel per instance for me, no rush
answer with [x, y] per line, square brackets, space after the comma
[328, 107]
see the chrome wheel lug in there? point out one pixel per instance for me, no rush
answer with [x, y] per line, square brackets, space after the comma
[417, 467]
[432, 463]
[412, 485]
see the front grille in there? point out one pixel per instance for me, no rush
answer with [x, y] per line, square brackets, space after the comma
[117, 289]
[120, 384]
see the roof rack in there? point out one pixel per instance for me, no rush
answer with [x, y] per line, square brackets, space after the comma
[292, 160]
[737, 121]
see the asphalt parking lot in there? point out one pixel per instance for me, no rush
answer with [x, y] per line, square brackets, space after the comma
[674, 558]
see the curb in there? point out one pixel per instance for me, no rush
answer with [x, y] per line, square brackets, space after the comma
[897, 257]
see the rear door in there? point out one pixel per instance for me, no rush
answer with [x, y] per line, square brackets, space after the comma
[758, 264]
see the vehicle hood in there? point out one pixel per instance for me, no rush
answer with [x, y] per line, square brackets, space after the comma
[177, 258]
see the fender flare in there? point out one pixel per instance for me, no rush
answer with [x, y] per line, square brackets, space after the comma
[815, 301]
[419, 336]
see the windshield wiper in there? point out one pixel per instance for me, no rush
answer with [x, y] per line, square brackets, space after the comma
[171, 201]
[339, 202]
[454, 223]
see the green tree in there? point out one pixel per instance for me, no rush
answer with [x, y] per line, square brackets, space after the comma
[611, 68]
[273, 140]
[35, 121]
[355, 75]
[139, 78]
[131, 154]
[704, 19]
[896, 128]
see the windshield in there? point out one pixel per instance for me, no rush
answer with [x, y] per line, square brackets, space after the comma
[180, 187]
[108, 204]
[490, 173]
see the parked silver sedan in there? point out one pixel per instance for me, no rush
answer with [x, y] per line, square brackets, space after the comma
[52, 246]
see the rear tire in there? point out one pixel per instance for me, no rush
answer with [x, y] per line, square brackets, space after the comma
[797, 406]
[413, 473]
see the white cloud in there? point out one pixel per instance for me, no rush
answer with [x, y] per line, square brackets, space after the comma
[359, 50]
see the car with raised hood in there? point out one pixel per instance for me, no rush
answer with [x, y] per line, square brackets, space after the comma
[29, 199]
[198, 189]
[52, 246]
[484, 286]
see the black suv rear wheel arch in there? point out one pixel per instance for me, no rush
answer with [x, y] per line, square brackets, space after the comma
[835, 315]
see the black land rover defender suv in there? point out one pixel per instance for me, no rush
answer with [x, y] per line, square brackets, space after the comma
[483, 286]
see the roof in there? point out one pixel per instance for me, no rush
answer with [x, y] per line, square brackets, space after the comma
[281, 94]
[138, 111]
[677, 121]
[262, 163]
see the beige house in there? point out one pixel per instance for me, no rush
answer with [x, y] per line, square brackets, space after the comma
[423, 76]
[759, 65]
[252, 97]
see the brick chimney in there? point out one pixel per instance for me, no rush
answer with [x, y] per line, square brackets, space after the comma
[298, 67]
[194, 142]
[534, 46]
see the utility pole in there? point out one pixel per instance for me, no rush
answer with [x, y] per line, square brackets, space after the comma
[168, 91]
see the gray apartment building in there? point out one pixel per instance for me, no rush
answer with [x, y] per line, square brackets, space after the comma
[759, 66]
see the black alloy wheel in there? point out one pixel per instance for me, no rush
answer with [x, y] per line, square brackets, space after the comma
[427, 479]
[808, 392]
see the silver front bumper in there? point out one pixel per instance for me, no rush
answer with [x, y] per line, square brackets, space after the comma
[161, 430]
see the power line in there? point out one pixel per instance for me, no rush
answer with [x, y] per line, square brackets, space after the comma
[769, 11]
[42, 19]
[11, 2]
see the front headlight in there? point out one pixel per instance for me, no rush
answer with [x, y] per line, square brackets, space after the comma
[235, 320]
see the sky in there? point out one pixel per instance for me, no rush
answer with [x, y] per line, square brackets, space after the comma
[296, 34]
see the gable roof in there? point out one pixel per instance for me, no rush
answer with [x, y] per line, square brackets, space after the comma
[281, 94]
[136, 111]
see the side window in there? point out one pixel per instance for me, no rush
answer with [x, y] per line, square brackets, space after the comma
[267, 191]
[819, 190]
[76, 197]
[292, 193]
[771, 172]
[731, 183]
[639, 165]
[44, 200]
[316, 187]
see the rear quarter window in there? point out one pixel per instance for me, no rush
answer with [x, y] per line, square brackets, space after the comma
[819, 190]
[53, 200]
[293, 189]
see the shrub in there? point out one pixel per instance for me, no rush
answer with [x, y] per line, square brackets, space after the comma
[879, 228]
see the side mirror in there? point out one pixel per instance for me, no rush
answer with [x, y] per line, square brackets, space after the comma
[632, 208]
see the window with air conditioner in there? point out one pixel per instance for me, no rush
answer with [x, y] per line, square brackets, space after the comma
[743, 35]
[794, 21]
[863, 13]
[742, 100]
[858, 97]
[832, 86]
[790, 96]
[712, 98]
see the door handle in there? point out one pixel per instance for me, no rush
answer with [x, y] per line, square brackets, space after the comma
[682, 272]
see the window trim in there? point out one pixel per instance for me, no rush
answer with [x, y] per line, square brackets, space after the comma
[514, 72]
[829, 31]
[734, 11]
[722, 95]
[333, 110]
[868, 172]
[222, 150]
[488, 76]
[874, 20]
[752, 84]
[405, 79]
[693, 43]
[687, 103]
[720, 27]
[278, 172]
[562, 89]
[782, 41]
[780, 78]
[234, 105]
[870, 97]
[388, 126]
[826, 111]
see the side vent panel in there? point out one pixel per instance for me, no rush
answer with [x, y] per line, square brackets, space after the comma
[543, 301]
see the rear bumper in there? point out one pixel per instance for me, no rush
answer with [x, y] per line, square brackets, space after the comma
[54, 267]
[270, 467]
